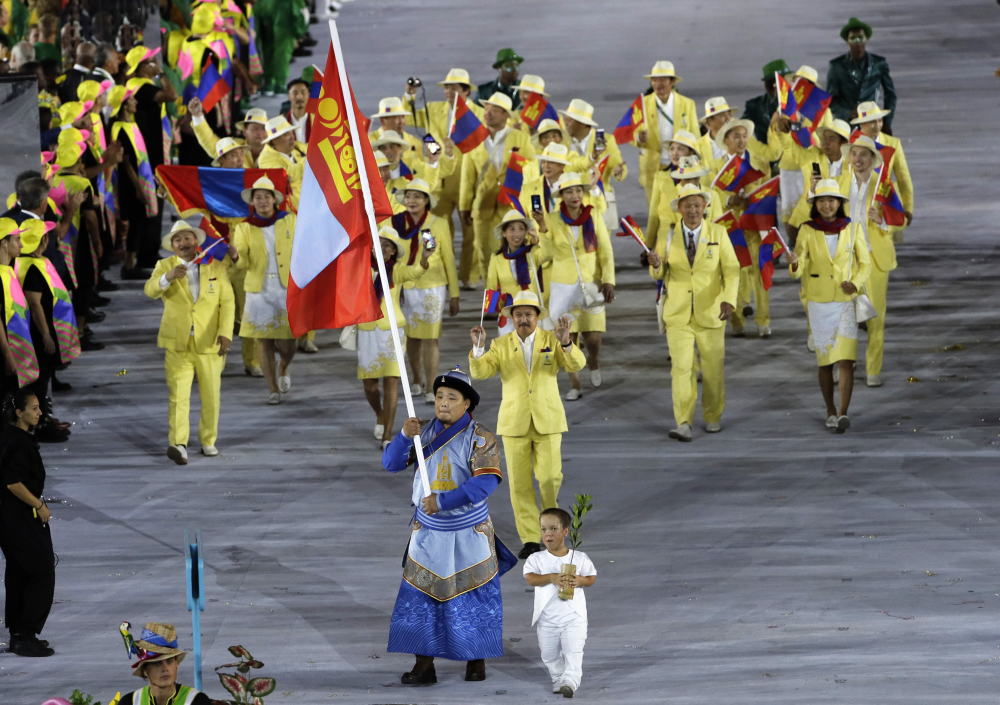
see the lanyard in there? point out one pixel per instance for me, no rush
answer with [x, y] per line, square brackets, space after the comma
[660, 111]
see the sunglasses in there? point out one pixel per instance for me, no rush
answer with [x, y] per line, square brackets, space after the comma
[510, 66]
[857, 40]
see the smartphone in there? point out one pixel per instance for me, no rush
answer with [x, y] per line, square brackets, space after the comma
[816, 170]
[428, 239]
[599, 143]
[536, 202]
[432, 145]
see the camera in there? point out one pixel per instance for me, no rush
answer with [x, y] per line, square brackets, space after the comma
[428, 239]
[414, 82]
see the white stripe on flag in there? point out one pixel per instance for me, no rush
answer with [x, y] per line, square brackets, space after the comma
[319, 236]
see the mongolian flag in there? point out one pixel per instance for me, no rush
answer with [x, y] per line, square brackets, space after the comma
[405, 171]
[494, 301]
[215, 246]
[200, 189]
[771, 247]
[812, 100]
[805, 137]
[510, 189]
[601, 167]
[466, 131]
[212, 87]
[736, 174]
[330, 283]
[762, 212]
[536, 109]
[630, 122]
[731, 223]
[631, 229]
[786, 96]
[892, 207]
[314, 90]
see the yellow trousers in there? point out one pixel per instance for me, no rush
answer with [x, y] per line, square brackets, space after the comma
[181, 368]
[750, 282]
[683, 373]
[877, 286]
[542, 453]
[249, 347]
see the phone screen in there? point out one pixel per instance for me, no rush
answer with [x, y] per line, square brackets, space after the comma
[536, 203]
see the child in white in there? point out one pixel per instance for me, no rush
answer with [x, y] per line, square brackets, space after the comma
[561, 624]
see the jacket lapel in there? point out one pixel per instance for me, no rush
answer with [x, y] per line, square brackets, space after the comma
[519, 352]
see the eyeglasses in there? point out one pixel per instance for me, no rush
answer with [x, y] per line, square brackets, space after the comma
[857, 40]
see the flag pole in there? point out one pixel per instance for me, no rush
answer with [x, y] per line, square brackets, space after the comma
[642, 102]
[454, 109]
[370, 211]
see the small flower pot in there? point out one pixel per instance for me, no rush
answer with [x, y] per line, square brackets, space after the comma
[566, 593]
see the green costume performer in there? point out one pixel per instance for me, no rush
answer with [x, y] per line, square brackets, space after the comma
[857, 76]
[761, 108]
[279, 24]
[510, 62]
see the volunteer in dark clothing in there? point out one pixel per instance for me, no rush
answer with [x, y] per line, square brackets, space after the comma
[25, 540]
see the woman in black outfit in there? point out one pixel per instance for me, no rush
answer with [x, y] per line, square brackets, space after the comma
[25, 540]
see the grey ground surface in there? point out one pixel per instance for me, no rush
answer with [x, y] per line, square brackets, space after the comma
[771, 563]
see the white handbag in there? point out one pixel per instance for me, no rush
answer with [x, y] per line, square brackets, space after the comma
[593, 299]
[864, 309]
[349, 338]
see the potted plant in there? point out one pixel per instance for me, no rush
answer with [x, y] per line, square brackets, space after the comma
[243, 689]
[577, 511]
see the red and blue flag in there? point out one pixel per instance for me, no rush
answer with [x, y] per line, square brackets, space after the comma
[786, 96]
[212, 88]
[731, 223]
[812, 100]
[315, 88]
[198, 189]
[494, 301]
[736, 174]
[771, 247]
[762, 212]
[513, 180]
[630, 122]
[466, 131]
[805, 137]
[405, 171]
[536, 109]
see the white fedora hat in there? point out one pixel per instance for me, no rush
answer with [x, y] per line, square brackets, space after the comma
[417, 185]
[690, 190]
[525, 298]
[720, 136]
[717, 106]
[454, 76]
[581, 111]
[869, 112]
[391, 107]
[664, 69]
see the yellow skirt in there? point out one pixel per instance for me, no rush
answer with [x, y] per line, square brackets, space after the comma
[424, 309]
[377, 354]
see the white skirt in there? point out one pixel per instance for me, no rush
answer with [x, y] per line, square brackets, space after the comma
[265, 314]
[377, 354]
[834, 329]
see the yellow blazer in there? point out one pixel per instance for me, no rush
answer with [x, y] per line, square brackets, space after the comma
[501, 278]
[661, 215]
[822, 276]
[249, 243]
[883, 250]
[441, 263]
[598, 266]
[294, 165]
[796, 157]
[685, 117]
[435, 121]
[528, 398]
[536, 187]
[480, 181]
[208, 140]
[212, 315]
[697, 292]
[401, 275]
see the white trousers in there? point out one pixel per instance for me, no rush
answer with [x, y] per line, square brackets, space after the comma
[562, 650]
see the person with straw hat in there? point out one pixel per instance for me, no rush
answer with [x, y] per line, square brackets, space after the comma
[665, 111]
[376, 349]
[403, 171]
[859, 76]
[698, 266]
[529, 83]
[483, 171]
[196, 331]
[508, 65]
[281, 151]
[717, 114]
[681, 145]
[158, 663]
[870, 121]
[385, 173]
[517, 265]
[832, 260]
[423, 300]
[583, 271]
[689, 170]
[582, 130]
[261, 246]
[734, 137]
[553, 161]
[253, 125]
[392, 116]
[549, 131]
[532, 419]
[858, 182]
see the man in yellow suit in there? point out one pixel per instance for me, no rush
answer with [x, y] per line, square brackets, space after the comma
[483, 170]
[281, 151]
[253, 126]
[531, 419]
[666, 111]
[392, 116]
[701, 275]
[196, 331]
[869, 121]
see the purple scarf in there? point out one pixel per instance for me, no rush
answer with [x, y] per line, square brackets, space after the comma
[520, 257]
[587, 226]
[830, 228]
[404, 225]
[259, 222]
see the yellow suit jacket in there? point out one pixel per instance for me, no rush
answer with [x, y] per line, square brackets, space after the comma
[480, 181]
[500, 276]
[441, 264]
[249, 243]
[294, 165]
[208, 140]
[528, 398]
[697, 292]
[597, 266]
[661, 215]
[685, 117]
[822, 276]
[796, 157]
[435, 121]
[212, 315]
[883, 250]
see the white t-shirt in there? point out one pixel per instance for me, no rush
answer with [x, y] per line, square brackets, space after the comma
[548, 606]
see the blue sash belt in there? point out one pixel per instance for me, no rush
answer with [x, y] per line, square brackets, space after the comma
[480, 513]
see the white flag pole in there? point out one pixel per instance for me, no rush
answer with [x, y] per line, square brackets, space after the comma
[451, 122]
[370, 210]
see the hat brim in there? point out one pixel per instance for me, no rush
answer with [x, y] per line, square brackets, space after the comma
[243, 123]
[842, 197]
[732, 125]
[382, 141]
[498, 230]
[677, 79]
[446, 82]
[499, 105]
[215, 162]
[137, 668]
[393, 113]
[401, 193]
[704, 194]
[731, 111]
[149, 55]
[845, 151]
[871, 118]
[518, 59]
[466, 389]
[247, 194]
[279, 133]
[822, 129]
[167, 241]
[531, 90]
[549, 158]
[685, 177]
[578, 118]
[507, 311]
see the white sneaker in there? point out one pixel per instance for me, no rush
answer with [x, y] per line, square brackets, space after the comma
[873, 381]
[429, 398]
[573, 394]
[284, 384]
[178, 454]
[811, 344]
[273, 398]
[416, 389]
[713, 427]
[379, 431]
[682, 433]
[764, 332]
[209, 451]
[255, 371]
[385, 444]
[831, 421]
[555, 687]
[595, 378]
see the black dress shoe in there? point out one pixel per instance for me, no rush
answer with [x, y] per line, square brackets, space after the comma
[97, 300]
[58, 386]
[422, 673]
[475, 670]
[528, 549]
[95, 316]
[308, 41]
[49, 433]
[31, 647]
[134, 274]
[106, 285]
[301, 51]
[88, 344]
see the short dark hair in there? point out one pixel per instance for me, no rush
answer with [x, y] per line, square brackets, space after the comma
[103, 52]
[50, 67]
[16, 401]
[25, 175]
[296, 82]
[814, 213]
[31, 193]
[565, 520]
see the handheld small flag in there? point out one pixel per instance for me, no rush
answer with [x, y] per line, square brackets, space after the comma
[626, 128]
[631, 229]
[771, 247]
[213, 237]
[314, 90]
[736, 174]
[805, 137]
[212, 88]
[812, 101]
[466, 131]
[762, 212]
[536, 109]
[494, 301]
[731, 223]
[513, 180]
[786, 96]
